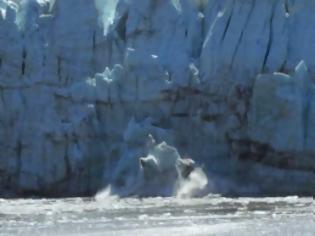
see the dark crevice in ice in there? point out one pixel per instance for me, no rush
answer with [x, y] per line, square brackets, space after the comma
[269, 39]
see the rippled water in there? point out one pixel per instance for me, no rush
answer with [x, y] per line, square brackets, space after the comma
[213, 215]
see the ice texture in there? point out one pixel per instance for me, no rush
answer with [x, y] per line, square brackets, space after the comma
[227, 83]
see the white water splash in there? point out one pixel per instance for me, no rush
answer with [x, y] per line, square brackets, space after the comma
[103, 193]
[192, 186]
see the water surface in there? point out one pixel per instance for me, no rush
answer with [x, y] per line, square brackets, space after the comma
[213, 215]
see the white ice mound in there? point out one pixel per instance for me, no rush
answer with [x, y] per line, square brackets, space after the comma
[162, 172]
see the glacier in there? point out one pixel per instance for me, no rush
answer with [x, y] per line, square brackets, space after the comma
[228, 84]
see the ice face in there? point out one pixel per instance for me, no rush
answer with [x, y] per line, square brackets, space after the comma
[228, 83]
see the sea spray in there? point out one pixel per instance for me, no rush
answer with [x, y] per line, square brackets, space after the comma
[104, 194]
[192, 186]
[147, 168]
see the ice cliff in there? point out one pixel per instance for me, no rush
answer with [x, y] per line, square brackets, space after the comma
[229, 83]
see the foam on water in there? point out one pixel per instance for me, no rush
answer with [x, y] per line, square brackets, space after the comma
[212, 215]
